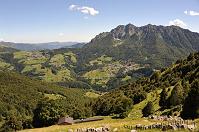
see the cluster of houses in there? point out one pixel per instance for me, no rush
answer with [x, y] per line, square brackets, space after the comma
[131, 66]
[36, 55]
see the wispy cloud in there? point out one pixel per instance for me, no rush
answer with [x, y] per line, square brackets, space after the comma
[84, 9]
[178, 22]
[191, 13]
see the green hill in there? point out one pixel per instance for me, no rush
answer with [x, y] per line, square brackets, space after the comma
[22, 96]
[171, 91]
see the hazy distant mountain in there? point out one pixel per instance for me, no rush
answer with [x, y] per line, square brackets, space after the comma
[78, 45]
[57, 45]
[40, 46]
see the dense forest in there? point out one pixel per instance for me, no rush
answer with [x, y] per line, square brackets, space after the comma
[27, 103]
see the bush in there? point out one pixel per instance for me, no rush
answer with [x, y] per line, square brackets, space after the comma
[177, 96]
[191, 105]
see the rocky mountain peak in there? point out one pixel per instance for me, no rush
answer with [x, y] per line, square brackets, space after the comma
[124, 31]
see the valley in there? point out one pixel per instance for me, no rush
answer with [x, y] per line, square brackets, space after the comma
[117, 76]
[102, 61]
[99, 66]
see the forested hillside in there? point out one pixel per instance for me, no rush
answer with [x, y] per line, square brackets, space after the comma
[170, 91]
[27, 103]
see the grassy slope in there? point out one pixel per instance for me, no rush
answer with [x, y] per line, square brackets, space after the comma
[154, 97]
[113, 123]
[92, 95]
[41, 65]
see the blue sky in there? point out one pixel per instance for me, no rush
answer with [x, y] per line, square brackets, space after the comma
[80, 20]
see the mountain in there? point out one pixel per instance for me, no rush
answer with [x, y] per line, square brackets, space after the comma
[129, 52]
[170, 91]
[156, 46]
[109, 60]
[57, 45]
[41, 46]
[23, 98]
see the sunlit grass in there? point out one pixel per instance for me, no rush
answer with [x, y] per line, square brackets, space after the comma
[92, 94]
[108, 121]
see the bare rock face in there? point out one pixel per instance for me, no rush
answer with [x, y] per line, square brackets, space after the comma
[122, 32]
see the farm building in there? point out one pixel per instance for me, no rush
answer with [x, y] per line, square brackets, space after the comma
[70, 121]
[65, 121]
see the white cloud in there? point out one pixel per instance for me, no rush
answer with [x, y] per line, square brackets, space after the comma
[178, 22]
[84, 9]
[186, 12]
[191, 13]
[72, 7]
[194, 13]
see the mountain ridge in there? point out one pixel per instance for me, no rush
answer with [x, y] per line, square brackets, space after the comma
[41, 46]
